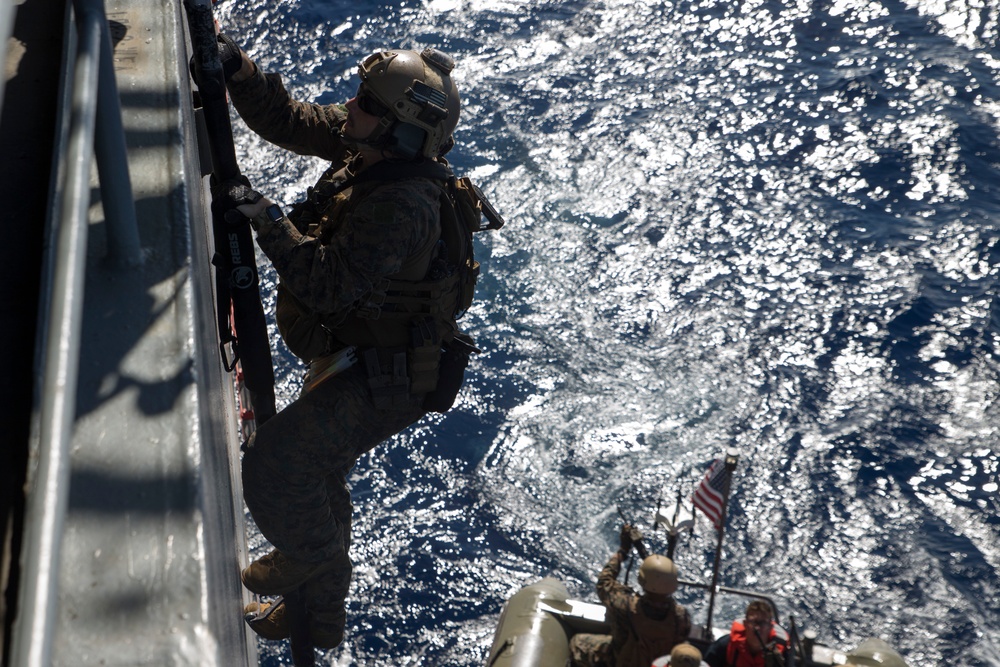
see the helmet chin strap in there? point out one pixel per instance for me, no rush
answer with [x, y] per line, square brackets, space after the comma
[358, 144]
[377, 140]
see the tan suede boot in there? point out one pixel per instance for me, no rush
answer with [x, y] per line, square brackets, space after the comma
[277, 574]
[268, 620]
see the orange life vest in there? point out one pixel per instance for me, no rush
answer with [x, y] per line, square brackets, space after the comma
[738, 653]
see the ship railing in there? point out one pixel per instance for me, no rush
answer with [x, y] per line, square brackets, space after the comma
[89, 127]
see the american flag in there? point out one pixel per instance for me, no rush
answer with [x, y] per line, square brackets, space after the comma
[711, 493]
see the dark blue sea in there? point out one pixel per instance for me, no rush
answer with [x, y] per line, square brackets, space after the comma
[762, 225]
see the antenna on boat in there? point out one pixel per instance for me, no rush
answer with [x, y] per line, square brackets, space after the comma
[679, 519]
[674, 532]
[659, 502]
[706, 498]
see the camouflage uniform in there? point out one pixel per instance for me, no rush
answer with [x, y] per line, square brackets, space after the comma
[640, 632]
[329, 253]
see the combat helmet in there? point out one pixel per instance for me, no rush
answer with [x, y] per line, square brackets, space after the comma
[658, 575]
[685, 655]
[416, 101]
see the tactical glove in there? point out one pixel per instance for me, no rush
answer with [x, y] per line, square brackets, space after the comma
[625, 539]
[234, 192]
[230, 55]
[234, 218]
[229, 194]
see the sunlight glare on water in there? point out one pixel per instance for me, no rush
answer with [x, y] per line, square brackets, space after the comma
[767, 226]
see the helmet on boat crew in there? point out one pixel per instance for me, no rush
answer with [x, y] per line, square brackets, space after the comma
[685, 655]
[658, 575]
[413, 95]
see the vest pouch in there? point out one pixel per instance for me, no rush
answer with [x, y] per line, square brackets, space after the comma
[302, 330]
[454, 360]
[424, 356]
[387, 378]
[468, 285]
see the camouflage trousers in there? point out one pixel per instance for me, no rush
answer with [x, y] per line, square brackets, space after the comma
[295, 481]
[586, 650]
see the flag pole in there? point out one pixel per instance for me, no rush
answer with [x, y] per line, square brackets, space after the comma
[732, 458]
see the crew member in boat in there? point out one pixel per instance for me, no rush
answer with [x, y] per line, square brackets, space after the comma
[643, 626]
[756, 641]
[682, 655]
[337, 253]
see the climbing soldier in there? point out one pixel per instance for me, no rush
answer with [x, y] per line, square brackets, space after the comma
[374, 268]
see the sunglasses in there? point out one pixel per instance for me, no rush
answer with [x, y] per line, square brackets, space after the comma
[369, 103]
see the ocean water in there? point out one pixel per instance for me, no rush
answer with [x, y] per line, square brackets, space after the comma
[769, 226]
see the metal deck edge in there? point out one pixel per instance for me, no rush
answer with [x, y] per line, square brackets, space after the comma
[154, 535]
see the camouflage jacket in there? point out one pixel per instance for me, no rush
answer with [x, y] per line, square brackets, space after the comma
[333, 247]
[639, 632]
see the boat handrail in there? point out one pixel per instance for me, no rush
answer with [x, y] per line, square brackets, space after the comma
[88, 91]
[7, 12]
[736, 591]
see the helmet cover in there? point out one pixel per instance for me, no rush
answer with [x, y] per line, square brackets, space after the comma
[419, 97]
[658, 575]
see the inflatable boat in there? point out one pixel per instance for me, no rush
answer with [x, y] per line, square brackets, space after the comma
[537, 622]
